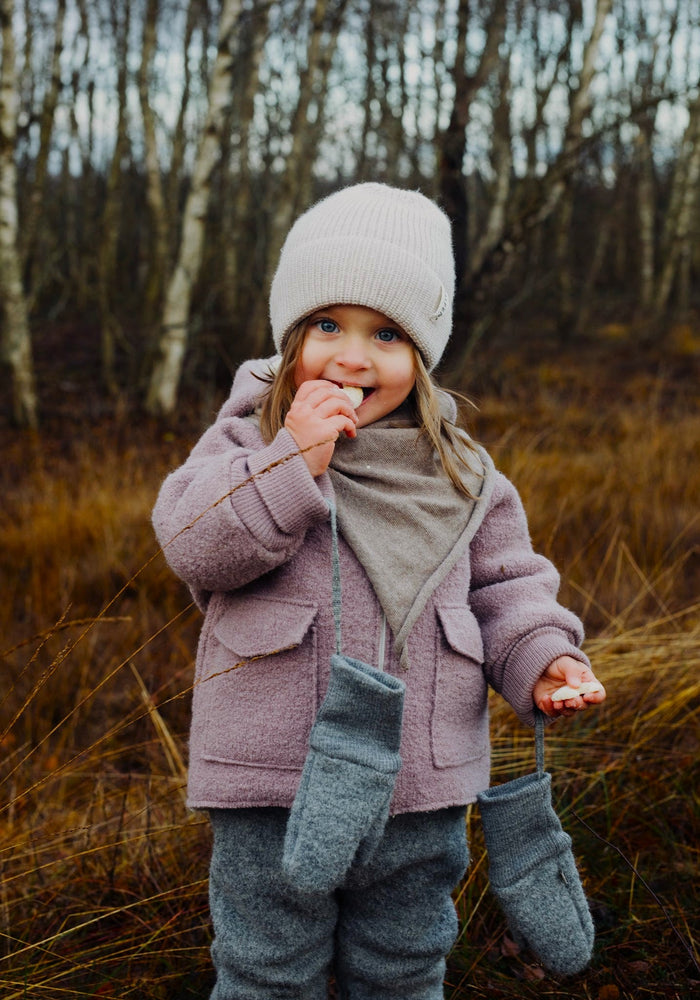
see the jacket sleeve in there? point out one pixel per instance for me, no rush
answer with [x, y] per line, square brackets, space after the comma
[231, 512]
[514, 598]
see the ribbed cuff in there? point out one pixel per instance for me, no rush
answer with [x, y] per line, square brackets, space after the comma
[287, 488]
[528, 660]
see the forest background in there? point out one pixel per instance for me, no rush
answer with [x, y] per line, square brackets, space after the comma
[153, 154]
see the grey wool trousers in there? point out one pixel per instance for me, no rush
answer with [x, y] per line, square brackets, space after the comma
[385, 932]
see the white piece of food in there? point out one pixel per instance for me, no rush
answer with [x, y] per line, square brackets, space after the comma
[566, 692]
[354, 394]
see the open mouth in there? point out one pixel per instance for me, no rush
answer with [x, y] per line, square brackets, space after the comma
[354, 391]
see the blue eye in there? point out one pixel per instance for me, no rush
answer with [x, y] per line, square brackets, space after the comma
[388, 336]
[327, 325]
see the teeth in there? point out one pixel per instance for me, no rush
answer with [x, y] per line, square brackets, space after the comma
[354, 394]
[563, 693]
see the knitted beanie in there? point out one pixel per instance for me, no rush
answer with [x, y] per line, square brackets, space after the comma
[370, 245]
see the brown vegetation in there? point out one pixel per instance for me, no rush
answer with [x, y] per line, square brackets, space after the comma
[103, 870]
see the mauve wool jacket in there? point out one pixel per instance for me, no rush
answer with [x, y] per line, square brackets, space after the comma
[254, 548]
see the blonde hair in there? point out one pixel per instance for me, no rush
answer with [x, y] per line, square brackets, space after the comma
[453, 445]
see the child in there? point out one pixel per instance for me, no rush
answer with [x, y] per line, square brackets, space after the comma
[442, 595]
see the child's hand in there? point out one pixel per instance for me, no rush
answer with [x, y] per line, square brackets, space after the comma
[320, 413]
[565, 670]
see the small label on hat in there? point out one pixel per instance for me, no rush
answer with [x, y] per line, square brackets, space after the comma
[442, 305]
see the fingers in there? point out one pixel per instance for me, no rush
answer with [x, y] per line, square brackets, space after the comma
[566, 687]
[319, 414]
[555, 710]
[577, 674]
[580, 700]
[318, 390]
[320, 401]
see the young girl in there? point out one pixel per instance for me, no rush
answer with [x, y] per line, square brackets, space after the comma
[299, 754]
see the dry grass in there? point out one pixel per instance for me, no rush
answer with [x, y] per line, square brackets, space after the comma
[103, 871]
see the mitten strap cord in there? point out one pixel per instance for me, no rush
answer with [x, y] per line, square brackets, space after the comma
[336, 577]
[539, 740]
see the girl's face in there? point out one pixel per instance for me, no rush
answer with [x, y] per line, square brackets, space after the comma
[354, 345]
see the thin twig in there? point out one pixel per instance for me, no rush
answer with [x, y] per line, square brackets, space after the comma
[646, 885]
[60, 626]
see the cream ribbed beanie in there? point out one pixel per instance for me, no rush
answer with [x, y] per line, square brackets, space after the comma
[370, 245]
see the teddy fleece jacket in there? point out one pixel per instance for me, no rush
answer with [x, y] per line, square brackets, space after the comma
[246, 527]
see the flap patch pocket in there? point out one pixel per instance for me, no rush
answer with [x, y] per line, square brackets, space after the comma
[258, 693]
[462, 631]
[263, 627]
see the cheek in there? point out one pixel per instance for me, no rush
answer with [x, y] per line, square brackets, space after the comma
[408, 362]
[302, 368]
[405, 377]
[403, 391]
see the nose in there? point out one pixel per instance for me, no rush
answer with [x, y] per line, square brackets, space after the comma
[352, 353]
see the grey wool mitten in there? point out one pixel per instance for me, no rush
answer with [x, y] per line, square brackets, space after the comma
[342, 804]
[533, 873]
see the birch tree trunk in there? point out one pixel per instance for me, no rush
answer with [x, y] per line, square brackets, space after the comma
[81, 205]
[393, 67]
[502, 166]
[179, 139]
[364, 160]
[646, 220]
[682, 208]
[28, 236]
[579, 105]
[107, 250]
[165, 379]
[158, 249]
[16, 340]
[451, 148]
[240, 245]
[313, 134]
[289, 206]
[452, 142]
[646, 182]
